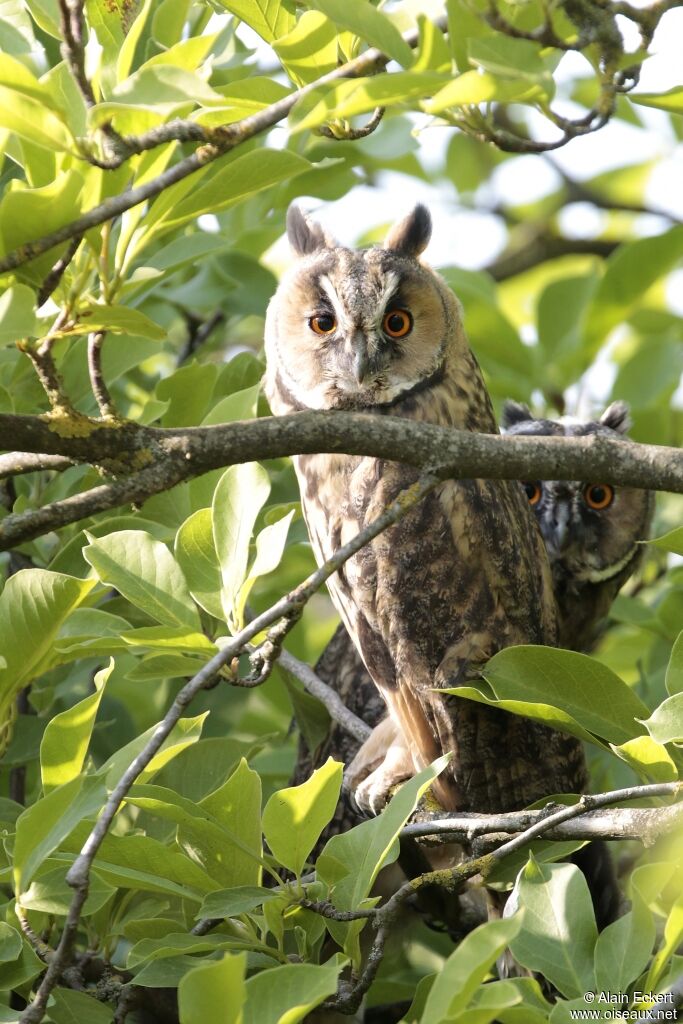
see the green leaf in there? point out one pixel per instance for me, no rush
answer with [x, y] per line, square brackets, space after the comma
[673, 933]
[169, 639]
[237, 177]
[310, 49]
[241, 405]
[32, 120]
[50, 893]
[482, 87]
[140, 862]
[269, 18]
[184, 733]
[512, 58]
[10, 943]
[116, 320]
[196, 554]
[239, 496]
[665, 724]
[513, 1001]
[649, 758]
[177, 943]
[17, 314]
[42, 826]
[467, 967]
[29, 213]
[33, 605]
[348, 98]
[146, 573]
[270, 546]
[214, 991]
[577, 684]
[371, 25]
[350, 862]
[294, 818]
[236, 806]
[71, 1007]
[674, 670]
[671, 100]
[233, 902]
[287, 994]
[623, 949]
[671, 541]
[67, 736]
[230, 856]
[629, 272]
[558, 934]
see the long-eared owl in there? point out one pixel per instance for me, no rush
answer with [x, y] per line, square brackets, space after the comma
[593, 532]
[465, 572]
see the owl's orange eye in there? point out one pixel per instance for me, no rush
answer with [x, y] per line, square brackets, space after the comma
[323, 324]
[533, 491]
[598, 496]
[397, 323]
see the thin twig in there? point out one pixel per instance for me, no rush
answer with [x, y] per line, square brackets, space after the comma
[17, 463]
[352, 134]
[222, 139]
[326, 695]
[78, 876]
[451, 879]
[198, 332]
[97, 382]
[56, 273]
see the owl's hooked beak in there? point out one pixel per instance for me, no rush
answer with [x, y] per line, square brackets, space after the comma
[558, 533]
[361, 361]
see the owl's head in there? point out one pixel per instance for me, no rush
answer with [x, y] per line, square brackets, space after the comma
[357, 328]
[591, 530]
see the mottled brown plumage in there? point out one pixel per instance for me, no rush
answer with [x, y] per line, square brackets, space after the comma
[593, 550]
[463, 574]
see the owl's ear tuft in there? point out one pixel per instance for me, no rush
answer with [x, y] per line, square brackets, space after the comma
[411, 235]
[515, 412]
[304, 236]
[617, 416]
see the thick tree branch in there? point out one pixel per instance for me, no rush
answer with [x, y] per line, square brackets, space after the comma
[169, 456]
[644, 824]
[78, 875]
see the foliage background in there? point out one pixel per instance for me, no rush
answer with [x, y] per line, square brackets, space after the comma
[100, 624]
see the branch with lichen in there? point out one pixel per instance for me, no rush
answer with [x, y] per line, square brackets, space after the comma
[148, 460]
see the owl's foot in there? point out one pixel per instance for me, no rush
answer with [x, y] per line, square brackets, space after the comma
[381, 763]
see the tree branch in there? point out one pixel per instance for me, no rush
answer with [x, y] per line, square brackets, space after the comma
[168, 457]
[349, 998]
[17, 463]
[645, 824]
[78, 876]
[326, 695]
[218, 141]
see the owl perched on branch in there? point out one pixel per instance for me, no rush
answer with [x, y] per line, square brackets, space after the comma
[593, 532]
[465, 573]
